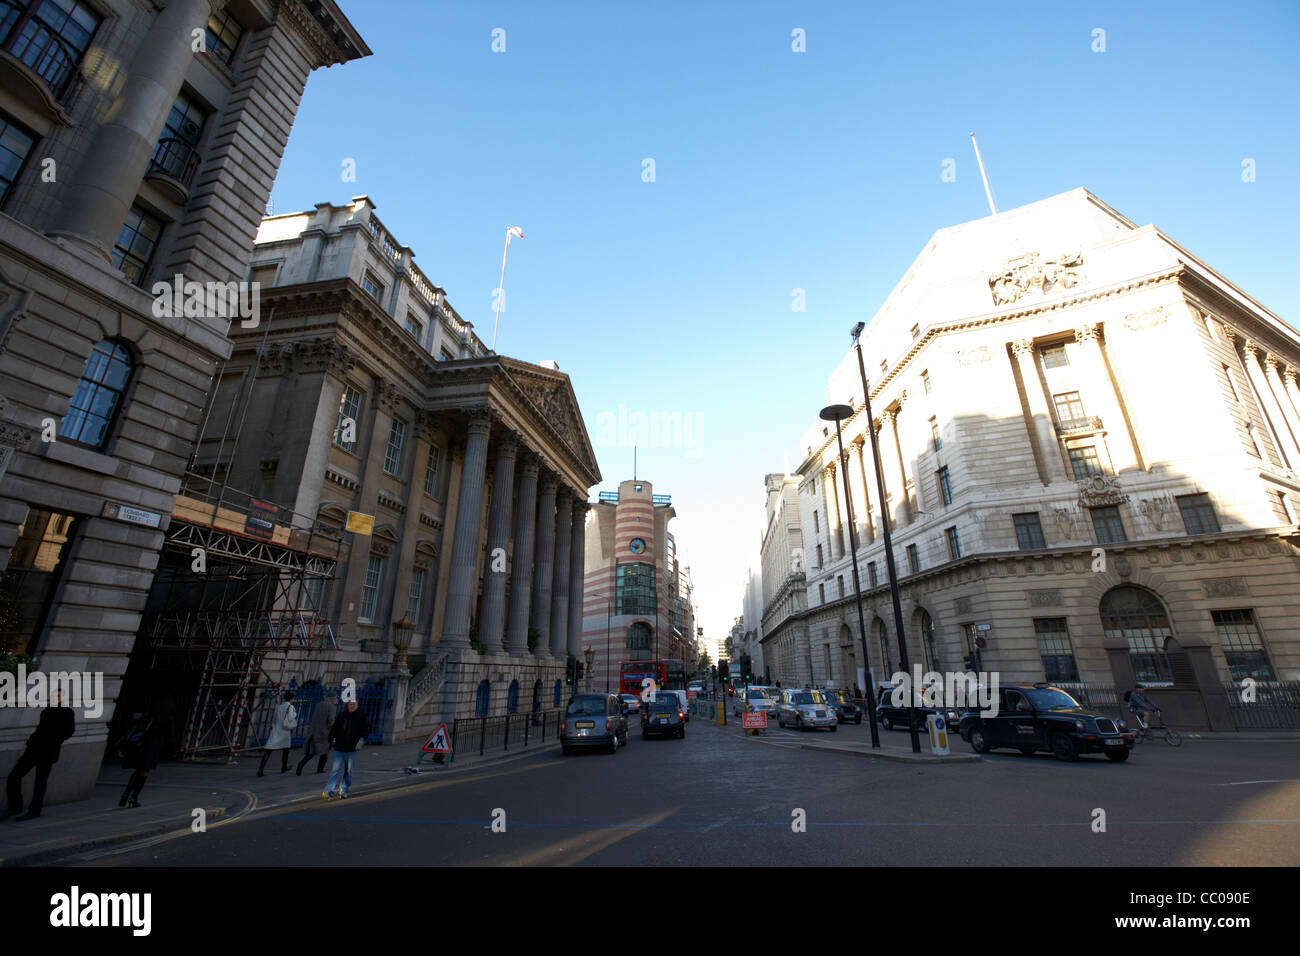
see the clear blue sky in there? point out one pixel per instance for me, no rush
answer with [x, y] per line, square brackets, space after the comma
[777, 170]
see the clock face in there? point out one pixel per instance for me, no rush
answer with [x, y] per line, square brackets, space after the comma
[637, 546]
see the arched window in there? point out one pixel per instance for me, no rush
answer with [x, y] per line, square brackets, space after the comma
[98, 396]
[1137, 615]
[512, 697]
[483, 700]
[638, 637]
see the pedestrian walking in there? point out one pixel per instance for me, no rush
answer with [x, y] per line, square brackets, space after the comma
[140, 751]
[56, 725]
[318, 734]
[282, 726]
[347, 736]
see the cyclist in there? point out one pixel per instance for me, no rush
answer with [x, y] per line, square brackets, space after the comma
[1141, 705]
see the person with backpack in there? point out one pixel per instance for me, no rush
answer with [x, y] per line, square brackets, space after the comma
[347, 735]
[139, 751]
[283, 724]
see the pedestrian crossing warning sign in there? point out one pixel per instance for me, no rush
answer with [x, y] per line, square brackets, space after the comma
[439, 743]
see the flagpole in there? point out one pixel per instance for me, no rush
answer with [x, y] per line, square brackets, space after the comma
[983, 175]
[501, 291]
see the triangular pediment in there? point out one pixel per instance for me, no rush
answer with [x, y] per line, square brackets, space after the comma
[551, 396]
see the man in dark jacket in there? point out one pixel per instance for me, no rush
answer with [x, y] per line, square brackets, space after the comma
[347, 736]
[56, 725]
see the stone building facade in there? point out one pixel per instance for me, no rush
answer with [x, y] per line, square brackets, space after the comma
[367, 394]
[1089, 447]
[131, 153]
[634, 607]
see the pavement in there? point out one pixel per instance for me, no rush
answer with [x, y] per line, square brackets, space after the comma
[224, 792]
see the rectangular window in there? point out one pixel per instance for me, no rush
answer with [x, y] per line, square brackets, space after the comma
[1054, 356]
[372, 287]
[634, 589]
[413, 594]
[1227, 380]
[1084, 462]
[821, 591]
[446, 356]
[1107, 524]
[1280, 509]
[839, 579]
[345, 432]
[916, 332]
[431, 472]
[393, 454]
[415, 327]
[136, 244]
[223, 35]
[819, 555]
[817, 528]
[1055, 649]
[15, 144]
[370, 589]
[925, 381]
[1243, 648]
[934, 434]
[1029, 531]
[1198, 514]
[945, 485]
[1069, 408]
[954, 543]
[871, 573]
[913, 559]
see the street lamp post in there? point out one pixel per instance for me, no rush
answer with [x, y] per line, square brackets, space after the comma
[884, 526]
[590, 654]
[836, 414]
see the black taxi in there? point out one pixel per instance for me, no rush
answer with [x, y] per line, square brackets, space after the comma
[1033, 717]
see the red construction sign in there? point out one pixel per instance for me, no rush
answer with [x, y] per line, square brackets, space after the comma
[752, 719]
[439, 743]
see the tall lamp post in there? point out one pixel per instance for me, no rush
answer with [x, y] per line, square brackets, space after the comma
[855, 332]
[836, 414]
[590, 654]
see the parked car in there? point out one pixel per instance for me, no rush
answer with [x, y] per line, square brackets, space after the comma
[662, 717]
[804, 709]
[631, 703]
[846, 710]
[1042, 717]
[680, 697]
[891, 716]
[593, 720]
[758, 698]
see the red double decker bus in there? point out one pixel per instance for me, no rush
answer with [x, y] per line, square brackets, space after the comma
[667, 675]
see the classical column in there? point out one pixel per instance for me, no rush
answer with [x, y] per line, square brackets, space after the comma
[521, 584]
[1267, 406]
[834, 525]
[862, 486]
[1046, 446]
[892, 461]
[543, 568]
[577, 575]
[1290, 422]
[464, 548]
[560, 580]
[1102, 393]
[1291, 385]
[104, 183]
[492, 626]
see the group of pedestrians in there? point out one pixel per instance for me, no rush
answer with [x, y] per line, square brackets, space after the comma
[344, 731]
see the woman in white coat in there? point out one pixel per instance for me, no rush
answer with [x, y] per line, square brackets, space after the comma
[281, 738]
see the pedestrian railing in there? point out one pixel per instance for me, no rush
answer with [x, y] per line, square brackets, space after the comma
[1264, 705]
[371, 700]
[479, 735]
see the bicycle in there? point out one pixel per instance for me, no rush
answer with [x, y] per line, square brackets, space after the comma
[1160, 731]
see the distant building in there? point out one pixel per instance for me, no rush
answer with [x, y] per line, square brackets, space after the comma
[1091, 452]
[127, 158]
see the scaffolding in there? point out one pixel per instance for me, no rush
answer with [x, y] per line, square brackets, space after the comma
[240, 583]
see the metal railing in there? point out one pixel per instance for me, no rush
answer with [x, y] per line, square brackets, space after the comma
[36, 45]
[471, 735]
[1096, 697]
[1070, 425]
[1267, 705]
[371, 700]
[175, 158]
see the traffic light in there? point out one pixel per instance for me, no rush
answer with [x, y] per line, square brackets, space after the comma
[724, 671]
[746, 669]
[970, 662]
[713, 672]
[569, 671]
[581, 668]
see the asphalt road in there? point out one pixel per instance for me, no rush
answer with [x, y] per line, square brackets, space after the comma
[718, 797]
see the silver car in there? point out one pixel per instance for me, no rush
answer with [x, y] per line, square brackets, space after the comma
[802, 709]
[758, 698]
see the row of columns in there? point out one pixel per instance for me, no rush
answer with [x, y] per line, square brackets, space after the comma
[1278, 391]
[549, 534]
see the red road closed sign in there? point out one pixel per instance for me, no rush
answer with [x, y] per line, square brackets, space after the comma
[754, 719]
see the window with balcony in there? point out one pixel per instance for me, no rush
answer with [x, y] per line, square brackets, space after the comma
[1029, 531]
[1107, 524]
[393, 453]
[176, 155]
[136, 244]
[98, 396]
[1198, 514]
[222, 36]
[50, 37]
[16, 143]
